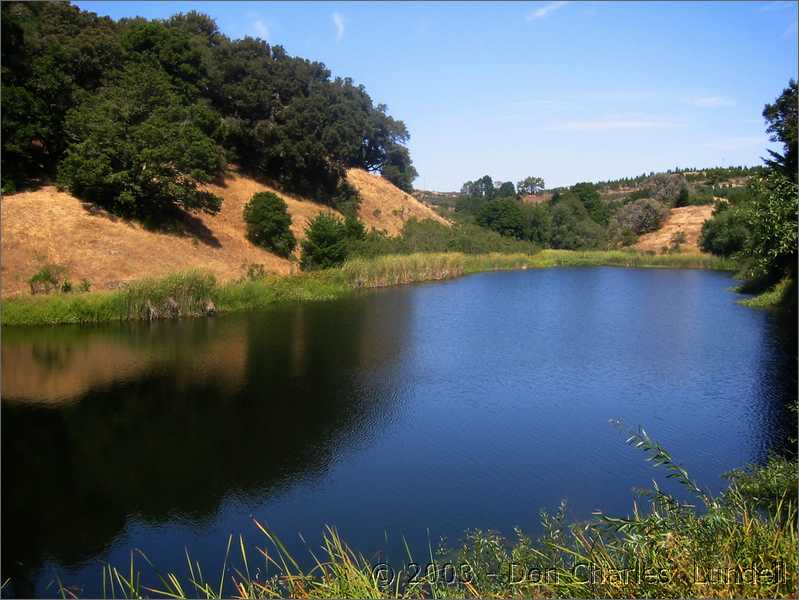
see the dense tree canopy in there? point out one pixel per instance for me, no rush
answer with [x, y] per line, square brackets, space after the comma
[279, 117]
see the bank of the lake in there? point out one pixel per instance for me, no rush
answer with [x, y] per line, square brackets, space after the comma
[196, 293]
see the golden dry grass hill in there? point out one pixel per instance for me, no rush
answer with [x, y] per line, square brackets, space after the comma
[688, 219]
[46, 226]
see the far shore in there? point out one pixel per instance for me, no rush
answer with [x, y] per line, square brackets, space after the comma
[196, 293]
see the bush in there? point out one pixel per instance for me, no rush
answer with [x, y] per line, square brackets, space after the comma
[503, 216]
[725, 233]
[269, 223]
[637, 218]
[431, 236]
[50, 277]
[572, 227]
[325, 243]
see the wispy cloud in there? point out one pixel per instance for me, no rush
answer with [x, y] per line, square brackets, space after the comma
[738, 143]
[261, 28]
[791, 31]
[777, 5]
[607, 124]
[338, 23]
[712, 102]
[546, 10]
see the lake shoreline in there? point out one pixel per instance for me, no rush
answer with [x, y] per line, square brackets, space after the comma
[195, 293]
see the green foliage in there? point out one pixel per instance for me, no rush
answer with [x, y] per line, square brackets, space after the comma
[572, 227]
[505, 189]
[139, 149]
[771, 219]
[782, 125]
[530, 185]
[431, 236]
[269, 223]
[325, 243]
[504, 216]
[538, 224]
[280, 117]
[726, 232]
[597, 208]
[47, 279]
[683, 198]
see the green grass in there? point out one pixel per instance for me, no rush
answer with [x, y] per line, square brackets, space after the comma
[663, 549]
[187, 294]
[774, 297]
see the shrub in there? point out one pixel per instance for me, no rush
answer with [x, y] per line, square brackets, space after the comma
[572, 227]
[637, 218]
[269, 223]
[503, 216]
[677, 240]
[725, 233]
[325, 243]
[50, 277]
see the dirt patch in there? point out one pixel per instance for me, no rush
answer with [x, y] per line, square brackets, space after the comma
[688, 219]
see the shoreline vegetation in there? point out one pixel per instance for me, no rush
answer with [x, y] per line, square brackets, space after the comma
[739, 544]
[195, 293]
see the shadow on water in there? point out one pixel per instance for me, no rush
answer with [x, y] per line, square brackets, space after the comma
[163, 421]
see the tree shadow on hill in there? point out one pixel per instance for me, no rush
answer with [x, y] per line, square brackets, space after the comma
[176, 222]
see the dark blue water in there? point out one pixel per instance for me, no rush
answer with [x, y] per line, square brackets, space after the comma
[418, 412]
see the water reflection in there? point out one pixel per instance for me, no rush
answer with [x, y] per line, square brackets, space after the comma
[463, 404]
[162, 421]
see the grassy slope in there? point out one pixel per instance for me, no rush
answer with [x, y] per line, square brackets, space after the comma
[192, 290]
[48, 226]
[688, 219]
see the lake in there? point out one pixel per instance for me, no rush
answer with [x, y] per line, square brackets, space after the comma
[415, 412]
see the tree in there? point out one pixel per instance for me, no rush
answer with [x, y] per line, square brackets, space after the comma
[530, 186]
[683, 198]
[325, 243]
[781, 117]
[666, 188]
[139, 149]
[635, 219]
[572, 228]
[538, 224]
[726, 233]
[269, 223]
[771, 219]
[597, 209]
[503, 216]
[505, 189]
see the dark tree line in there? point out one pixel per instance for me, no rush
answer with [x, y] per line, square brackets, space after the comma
[137, 114]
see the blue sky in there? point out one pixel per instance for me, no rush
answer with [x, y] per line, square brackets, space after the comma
[569, 91]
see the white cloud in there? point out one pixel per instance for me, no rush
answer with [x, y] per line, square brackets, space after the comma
[605, 124]
[338, 22]
[262, 29]
[545, 11]
[712, 102]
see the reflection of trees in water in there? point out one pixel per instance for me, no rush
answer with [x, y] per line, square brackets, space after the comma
[177, 438]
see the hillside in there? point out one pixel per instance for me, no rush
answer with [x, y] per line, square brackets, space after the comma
[688, 219]
[47, 226]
